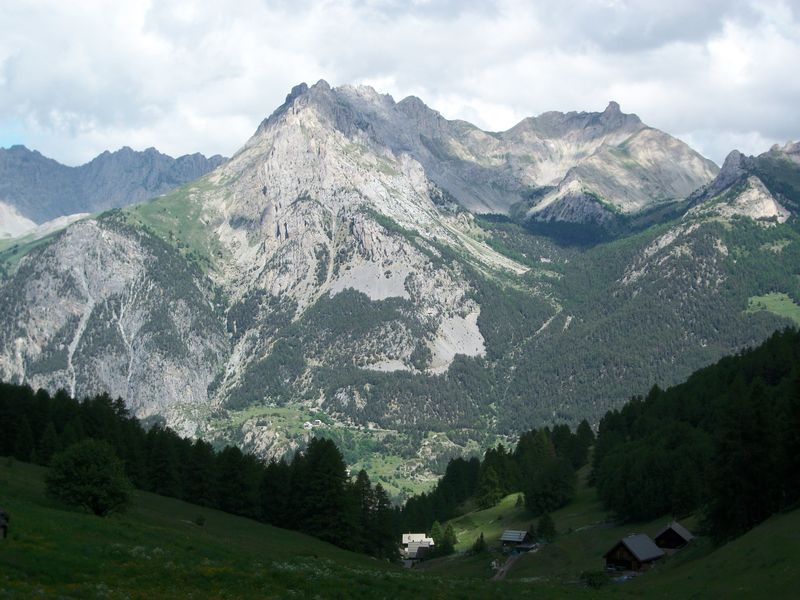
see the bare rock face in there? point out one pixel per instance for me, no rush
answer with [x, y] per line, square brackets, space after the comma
[337, 240]
[91, 313]
[752, 186]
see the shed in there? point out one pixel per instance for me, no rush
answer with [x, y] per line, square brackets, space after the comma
[634, 553]
[673, 537]
[514, 537]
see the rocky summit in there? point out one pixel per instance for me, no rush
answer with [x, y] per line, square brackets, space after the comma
[405, 282]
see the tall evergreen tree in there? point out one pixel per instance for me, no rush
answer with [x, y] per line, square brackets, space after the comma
[546, 529]
[199, 474]
[322, 501]
[24, 444]
[162, 462]
[276, 494]
[48, 444]
[383, 530]
[489, 492]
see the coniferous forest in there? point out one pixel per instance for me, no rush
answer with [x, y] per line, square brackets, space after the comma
[312, 493]
[726, 444]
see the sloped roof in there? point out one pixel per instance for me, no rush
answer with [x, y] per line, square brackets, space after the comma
[513, 535]
[679, 529]
[641, 546]
[414, 548]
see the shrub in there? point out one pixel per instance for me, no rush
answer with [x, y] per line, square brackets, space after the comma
[546, 531]
[595, 579]
[88, 474]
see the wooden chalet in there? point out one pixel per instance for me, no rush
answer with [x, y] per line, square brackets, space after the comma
[636, 552]
[513, 538]
[673, 537]
[414, 547]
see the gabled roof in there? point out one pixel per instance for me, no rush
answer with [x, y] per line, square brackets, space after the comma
[513, 535]
[641, 546]
[414, 548]
[679, 529]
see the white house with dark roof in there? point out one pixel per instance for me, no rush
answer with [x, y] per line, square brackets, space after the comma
[414, 546]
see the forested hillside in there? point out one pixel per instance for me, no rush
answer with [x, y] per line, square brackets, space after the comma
[726, 442]
[313, 493]
[725, 445]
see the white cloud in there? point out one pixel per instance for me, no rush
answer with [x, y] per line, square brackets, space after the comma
[185, 76]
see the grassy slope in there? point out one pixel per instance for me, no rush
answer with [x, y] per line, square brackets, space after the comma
[584, 511]
[777, 303]
[156, 551]
[177, 218]
[762, 563]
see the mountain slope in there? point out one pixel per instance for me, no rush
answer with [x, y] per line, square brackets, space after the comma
[41, 189]
[329, 271]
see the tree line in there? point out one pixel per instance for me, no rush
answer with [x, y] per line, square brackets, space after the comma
[725, 443]
[313, 493]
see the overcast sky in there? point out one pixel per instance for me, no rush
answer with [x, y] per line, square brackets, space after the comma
[77, 78]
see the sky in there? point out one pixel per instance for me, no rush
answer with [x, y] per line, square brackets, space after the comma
[77, 78]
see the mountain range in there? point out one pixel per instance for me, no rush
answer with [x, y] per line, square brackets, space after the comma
[35, 189]
[413, 286]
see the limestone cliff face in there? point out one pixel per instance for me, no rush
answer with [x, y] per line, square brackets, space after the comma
[756, 187]
[339, 239]
[105, 308]
[312, 207]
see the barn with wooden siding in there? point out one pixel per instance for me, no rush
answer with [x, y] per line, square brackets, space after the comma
[673, 537]
[636, 552]
[512, 538]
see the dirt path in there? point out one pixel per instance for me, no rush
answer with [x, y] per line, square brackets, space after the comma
[501, 572]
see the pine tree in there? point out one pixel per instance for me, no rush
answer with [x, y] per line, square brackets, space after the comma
[489, 492]
[546, 529]
[24, 444]
[551, 487]
[73, 432]
[276, 494]
[162, 463]
[480, 545]
[449, 540]
[436, 533]
[743, 474]
[383, 528]
[199, 475]
[322, 503]
[364, 501]
[48, 444]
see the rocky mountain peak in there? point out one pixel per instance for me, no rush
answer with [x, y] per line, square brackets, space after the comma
[735, 167]
[42, 189]
[790, 150]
